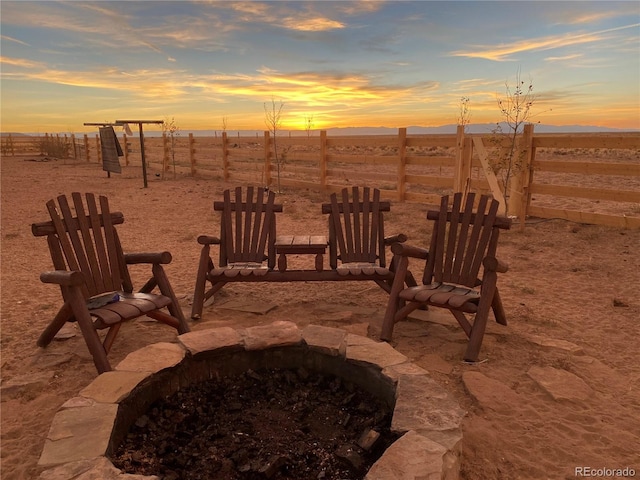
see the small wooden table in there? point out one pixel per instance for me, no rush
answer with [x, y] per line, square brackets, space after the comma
[301, 245]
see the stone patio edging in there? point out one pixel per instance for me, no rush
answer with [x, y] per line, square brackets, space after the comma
[87, 428]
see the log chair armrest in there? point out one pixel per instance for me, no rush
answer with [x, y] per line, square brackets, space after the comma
[409, 251]
[495, 265]
[63, 277]
[399, 238]
[154, 258]
[208, 240]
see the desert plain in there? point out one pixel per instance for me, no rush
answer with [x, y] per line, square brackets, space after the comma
[556, 390]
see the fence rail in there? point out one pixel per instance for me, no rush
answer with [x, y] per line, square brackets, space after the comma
[566, 176]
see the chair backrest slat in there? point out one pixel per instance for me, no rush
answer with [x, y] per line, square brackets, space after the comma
[268, 229]
[337, 226]
[246, 237]
[472, 247]
[238, 226]
[453, 233]
[97, 224]
[226, 226]
[457, 272]
[257, 222]
[87, 240]
[368, 245]
[78, 247]
[376, 236]
[462, 238]
[360, 237]
[488, 214]
[348, 210]
[112, 249]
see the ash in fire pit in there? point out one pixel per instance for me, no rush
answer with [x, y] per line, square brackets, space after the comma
[275, 424]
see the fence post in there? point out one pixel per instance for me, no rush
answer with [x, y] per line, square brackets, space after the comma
[520, 191]
[125, 149]
[73, 145]
[467, 165]
[225, 157]
[460, 173]
[267, 158]
[323, 160]
[98, 149]
[86, 148]
[165, 153]
[402, 163]
[192, 154]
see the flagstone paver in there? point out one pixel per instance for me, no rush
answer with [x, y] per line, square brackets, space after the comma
[560, 384]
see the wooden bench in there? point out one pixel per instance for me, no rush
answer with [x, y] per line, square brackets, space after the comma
[249, 247]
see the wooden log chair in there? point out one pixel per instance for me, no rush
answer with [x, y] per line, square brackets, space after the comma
[452, 267]
[91, 270]
[356, 237]
[247, 241]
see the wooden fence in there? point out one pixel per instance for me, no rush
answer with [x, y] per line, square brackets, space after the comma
[569, 176]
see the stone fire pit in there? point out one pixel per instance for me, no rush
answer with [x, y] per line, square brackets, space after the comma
[89, 427]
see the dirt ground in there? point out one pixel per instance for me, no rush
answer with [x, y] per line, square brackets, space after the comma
[566, 282]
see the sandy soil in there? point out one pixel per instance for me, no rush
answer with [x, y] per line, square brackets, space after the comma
[567, 282]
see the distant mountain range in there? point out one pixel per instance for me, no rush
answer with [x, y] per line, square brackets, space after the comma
[480, 128]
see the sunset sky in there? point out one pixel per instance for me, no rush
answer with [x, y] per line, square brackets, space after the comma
[341, 64]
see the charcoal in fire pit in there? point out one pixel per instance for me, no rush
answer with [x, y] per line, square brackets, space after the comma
[271, 429]
[351, 457]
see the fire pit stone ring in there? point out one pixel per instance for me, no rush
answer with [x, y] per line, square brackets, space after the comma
[89, 426]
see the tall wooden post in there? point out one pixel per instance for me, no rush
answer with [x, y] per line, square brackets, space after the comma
[125, 149]
[87, 154]
[520, 191]
[192, 154]
[10, 145]
[267, 158]
[467, 165]
[98, 149]
[73, 146]
[460, 174]
[142, 156]
[323, 159]
[402, 163]
[225, 157]
[165, 153]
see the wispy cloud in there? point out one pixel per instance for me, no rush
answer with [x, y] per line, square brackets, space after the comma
[303, 88]
[93, 22]
[298, 17]
[564, 58]
[316, 24]
[20, 62]
[15, 40]
[503, 52]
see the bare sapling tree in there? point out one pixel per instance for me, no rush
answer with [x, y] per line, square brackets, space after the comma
[308, 124]
[225, 123]
[516, 110]
[273, 121]
[464, 113]
[170, 128]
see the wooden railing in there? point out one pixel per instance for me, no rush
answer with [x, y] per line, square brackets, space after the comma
[419, 168]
